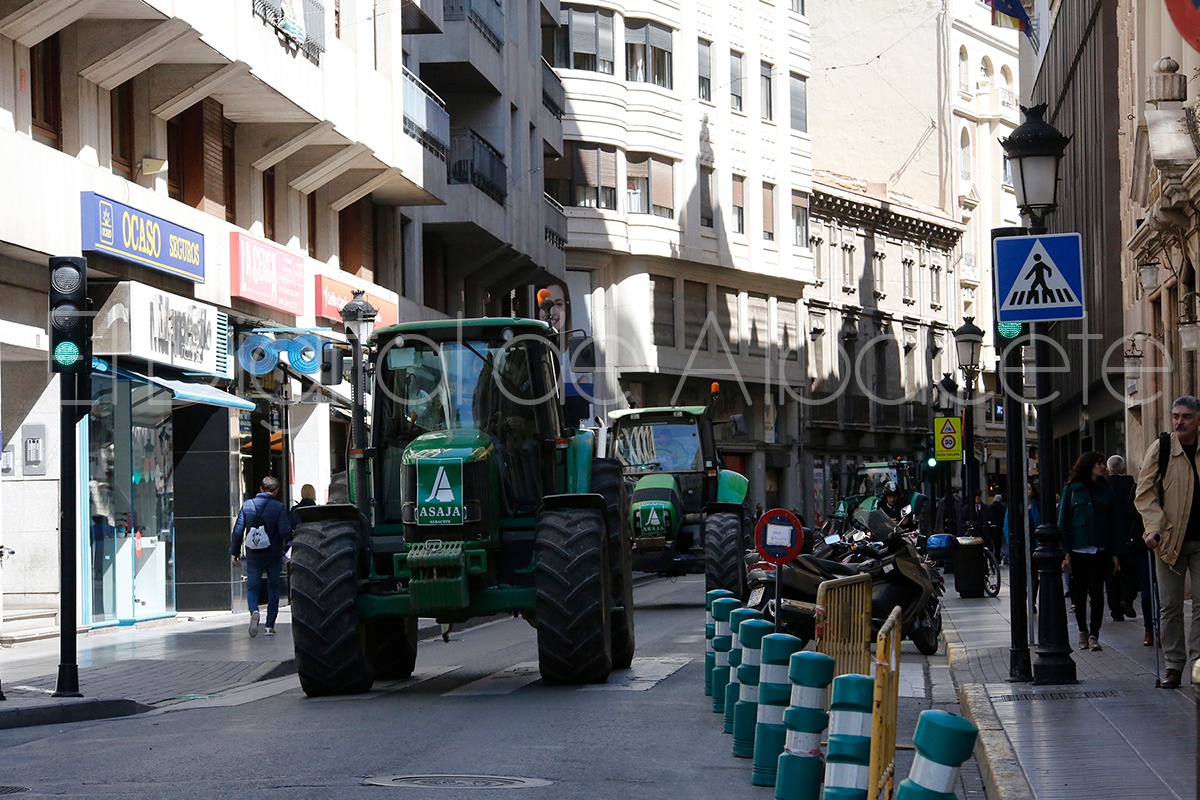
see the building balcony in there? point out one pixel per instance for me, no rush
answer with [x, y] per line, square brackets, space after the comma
[888, 415]
[474, 161]
[307, 34]
[556, 223]
[425, 116]
[823, 409]
[554, 96]
[487, 16]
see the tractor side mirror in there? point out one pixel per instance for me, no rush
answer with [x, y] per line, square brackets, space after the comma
[333, 365]
[737, 424]
[581, 354]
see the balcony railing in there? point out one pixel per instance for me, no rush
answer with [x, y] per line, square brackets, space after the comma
[822, 408]
[305, 33]
[425, 116]
[554, 96]
[474, 161]
[858, 409]
[556, 223]
[1008, 98]
[486, 15]
[887, 415]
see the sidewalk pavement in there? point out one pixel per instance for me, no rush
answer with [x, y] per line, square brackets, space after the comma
[1113, 734]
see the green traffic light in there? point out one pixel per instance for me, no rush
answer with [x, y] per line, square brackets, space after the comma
[931, 462]
[1010, 330]
[67, 354]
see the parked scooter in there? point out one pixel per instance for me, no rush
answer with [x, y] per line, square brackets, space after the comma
[877, 547]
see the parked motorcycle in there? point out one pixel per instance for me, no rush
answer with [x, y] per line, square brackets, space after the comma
[875, 546]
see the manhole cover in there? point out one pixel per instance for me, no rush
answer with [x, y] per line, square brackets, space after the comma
[457, 782]
[13, 789]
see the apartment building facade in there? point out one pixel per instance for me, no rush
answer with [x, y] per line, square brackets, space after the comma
[232, 171]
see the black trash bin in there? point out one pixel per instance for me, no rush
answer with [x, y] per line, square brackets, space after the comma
[969, 567]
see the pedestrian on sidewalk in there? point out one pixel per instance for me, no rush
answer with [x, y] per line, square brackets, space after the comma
[1123, 588]
[266, 511]
[1086, 517]
[1167, 501]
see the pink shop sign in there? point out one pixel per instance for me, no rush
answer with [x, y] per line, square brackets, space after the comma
[266, 274]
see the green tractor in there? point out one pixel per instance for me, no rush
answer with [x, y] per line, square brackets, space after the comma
[689, 514]
[481, 502]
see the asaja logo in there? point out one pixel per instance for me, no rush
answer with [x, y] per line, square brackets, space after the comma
[439, 492]
[654, 521]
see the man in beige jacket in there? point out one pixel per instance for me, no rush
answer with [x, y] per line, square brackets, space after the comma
[1173, 533]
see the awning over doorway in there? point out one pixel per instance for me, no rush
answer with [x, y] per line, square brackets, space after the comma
[190, 392]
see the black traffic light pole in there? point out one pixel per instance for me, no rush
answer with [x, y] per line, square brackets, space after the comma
[70, 326]
[1020, 668]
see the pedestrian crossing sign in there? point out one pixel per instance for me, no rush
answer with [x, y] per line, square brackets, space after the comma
[1038, 278]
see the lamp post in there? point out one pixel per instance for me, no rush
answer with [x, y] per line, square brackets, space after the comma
[968, 340]
[1036, 148]
[359, 318]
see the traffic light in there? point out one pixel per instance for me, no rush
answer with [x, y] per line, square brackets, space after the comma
[930, 453]
[70, 320]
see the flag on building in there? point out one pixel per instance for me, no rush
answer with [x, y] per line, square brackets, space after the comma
[1011, 14]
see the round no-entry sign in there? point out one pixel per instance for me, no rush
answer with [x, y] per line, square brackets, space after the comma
[778, 536]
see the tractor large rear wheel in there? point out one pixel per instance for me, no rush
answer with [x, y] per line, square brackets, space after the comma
[329, 635]
[723, 548]
[392, 646]
[573, 597]
[609, 482]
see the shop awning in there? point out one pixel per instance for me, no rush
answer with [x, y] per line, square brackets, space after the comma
[190, 392]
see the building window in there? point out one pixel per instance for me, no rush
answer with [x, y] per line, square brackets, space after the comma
[650, 185]
[662, 293]
[739, 208]
[648, 52]
[799, 103]
[764, 87]
[46, 94]
[797, 6]
[935, 286]
[906, 272]
[311, 202]
[704, 62]
[817, 244]
[799, 219]
[706, 196]
[964, 153]
[768, 211]
[848, 265]
[964, 72]
[175, 159]
[735, 80]
[728, 320]
[337, 18]
[1006, 170]
[877, 261]
[593, 175]
[583, 41]
[695, 315]
[120, 103]
[268, 192]
[229, 169]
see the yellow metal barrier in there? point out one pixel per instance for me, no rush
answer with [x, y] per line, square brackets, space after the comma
[882, 773]
[844, 623]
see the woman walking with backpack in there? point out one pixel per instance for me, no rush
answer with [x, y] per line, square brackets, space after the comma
[1085, 517]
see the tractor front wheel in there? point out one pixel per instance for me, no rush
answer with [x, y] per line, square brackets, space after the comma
[573, 597]
[609, 482]
[329, 636]
[723, 554]
[392, 646]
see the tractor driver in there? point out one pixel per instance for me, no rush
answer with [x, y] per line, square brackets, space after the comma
[890, 504]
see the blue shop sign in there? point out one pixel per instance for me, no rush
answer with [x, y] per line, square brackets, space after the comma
[133, 235]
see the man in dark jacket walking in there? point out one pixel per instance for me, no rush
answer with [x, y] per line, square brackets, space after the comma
[265, 511]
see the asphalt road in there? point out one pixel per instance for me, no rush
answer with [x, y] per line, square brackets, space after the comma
[475, 707]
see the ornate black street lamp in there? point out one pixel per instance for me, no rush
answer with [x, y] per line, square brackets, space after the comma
[359, 318]
[1036, 149]
[968, 340]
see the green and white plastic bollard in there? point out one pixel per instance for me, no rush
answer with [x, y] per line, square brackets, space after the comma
[848, 755]
[722, 644]
[733, 689]
[745, 710]
[801, 766]
[774, 691]
[710, 630]
[944, 742]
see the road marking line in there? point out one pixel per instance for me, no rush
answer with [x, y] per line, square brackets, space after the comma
[502, 682]
[643, 674]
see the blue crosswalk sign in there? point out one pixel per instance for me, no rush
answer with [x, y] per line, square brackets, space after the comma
[1038, 278]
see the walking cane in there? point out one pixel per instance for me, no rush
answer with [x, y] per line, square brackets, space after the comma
[1155, 611]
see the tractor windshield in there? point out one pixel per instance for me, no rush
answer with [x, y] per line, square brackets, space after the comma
[659, 446]
[436, 386]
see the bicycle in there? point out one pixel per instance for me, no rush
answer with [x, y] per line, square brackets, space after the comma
[991, 573]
